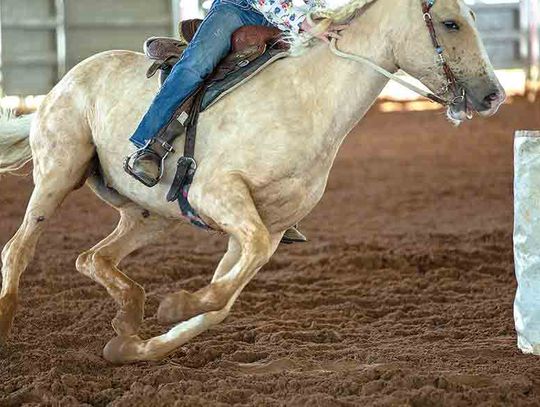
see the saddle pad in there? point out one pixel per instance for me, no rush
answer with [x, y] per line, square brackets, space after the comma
[221, 88]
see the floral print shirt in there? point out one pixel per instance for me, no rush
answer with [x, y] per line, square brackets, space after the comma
[283, 13]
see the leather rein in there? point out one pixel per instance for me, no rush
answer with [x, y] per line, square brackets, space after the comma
[452, 84]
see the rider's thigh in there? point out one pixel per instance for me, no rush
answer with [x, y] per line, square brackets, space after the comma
[212, 42]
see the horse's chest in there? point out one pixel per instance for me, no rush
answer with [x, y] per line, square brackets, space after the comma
[285, 203]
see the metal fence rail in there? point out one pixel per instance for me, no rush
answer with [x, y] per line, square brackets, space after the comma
[41, 39]
[504, 33]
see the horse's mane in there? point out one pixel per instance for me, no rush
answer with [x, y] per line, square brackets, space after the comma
[341, 13]
[324, 16]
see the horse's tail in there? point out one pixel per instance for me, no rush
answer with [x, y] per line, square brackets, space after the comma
[15, 149]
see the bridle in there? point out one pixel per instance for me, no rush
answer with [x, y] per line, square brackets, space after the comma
[451, 85]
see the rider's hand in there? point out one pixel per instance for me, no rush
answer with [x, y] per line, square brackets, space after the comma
[331, 32]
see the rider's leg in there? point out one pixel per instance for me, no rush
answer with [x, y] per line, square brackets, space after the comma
[210, 45]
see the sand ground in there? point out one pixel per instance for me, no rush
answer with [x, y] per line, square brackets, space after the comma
[402, 297]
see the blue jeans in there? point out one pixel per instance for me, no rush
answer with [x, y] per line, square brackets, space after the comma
[211, 44]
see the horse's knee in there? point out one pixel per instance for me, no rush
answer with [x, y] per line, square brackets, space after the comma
[258, 245]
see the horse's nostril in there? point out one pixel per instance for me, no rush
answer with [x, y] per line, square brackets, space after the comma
[492, 97]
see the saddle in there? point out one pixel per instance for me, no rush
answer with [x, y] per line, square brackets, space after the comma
[247, 44]
[252, 49]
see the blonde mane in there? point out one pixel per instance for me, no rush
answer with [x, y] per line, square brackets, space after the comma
[341, 13]
[323, 16]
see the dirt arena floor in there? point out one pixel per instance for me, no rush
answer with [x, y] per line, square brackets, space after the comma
[402, 297]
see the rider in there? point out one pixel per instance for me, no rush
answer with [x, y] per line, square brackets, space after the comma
[208, 47]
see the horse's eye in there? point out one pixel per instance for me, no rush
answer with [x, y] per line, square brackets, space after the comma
[451, 25]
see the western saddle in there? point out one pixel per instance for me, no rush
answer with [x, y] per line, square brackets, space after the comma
[247, 44]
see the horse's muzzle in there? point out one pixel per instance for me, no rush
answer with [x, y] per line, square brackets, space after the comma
[486, 99]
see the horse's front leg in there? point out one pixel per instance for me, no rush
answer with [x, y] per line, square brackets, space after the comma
[230, 205]
[183, 304]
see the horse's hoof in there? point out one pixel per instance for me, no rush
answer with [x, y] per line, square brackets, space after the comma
[175, 308]
[122, 349]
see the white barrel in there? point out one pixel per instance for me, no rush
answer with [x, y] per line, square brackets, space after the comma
[527, 239]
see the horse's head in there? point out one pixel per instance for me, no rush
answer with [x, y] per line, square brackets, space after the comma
[463, 50]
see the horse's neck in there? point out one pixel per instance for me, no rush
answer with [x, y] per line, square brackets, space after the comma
[344, 90]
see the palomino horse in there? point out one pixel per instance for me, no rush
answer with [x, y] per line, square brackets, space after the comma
[264, 155]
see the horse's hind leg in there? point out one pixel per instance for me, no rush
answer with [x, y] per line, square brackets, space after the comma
[56, 173]
[231, 207]
[136, 229]
[18, 252]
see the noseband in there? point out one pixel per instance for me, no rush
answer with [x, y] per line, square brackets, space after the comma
[451, 82]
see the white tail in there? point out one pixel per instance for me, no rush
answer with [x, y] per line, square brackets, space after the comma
[15, 149]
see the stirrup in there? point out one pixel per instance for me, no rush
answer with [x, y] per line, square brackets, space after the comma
[130, 160]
